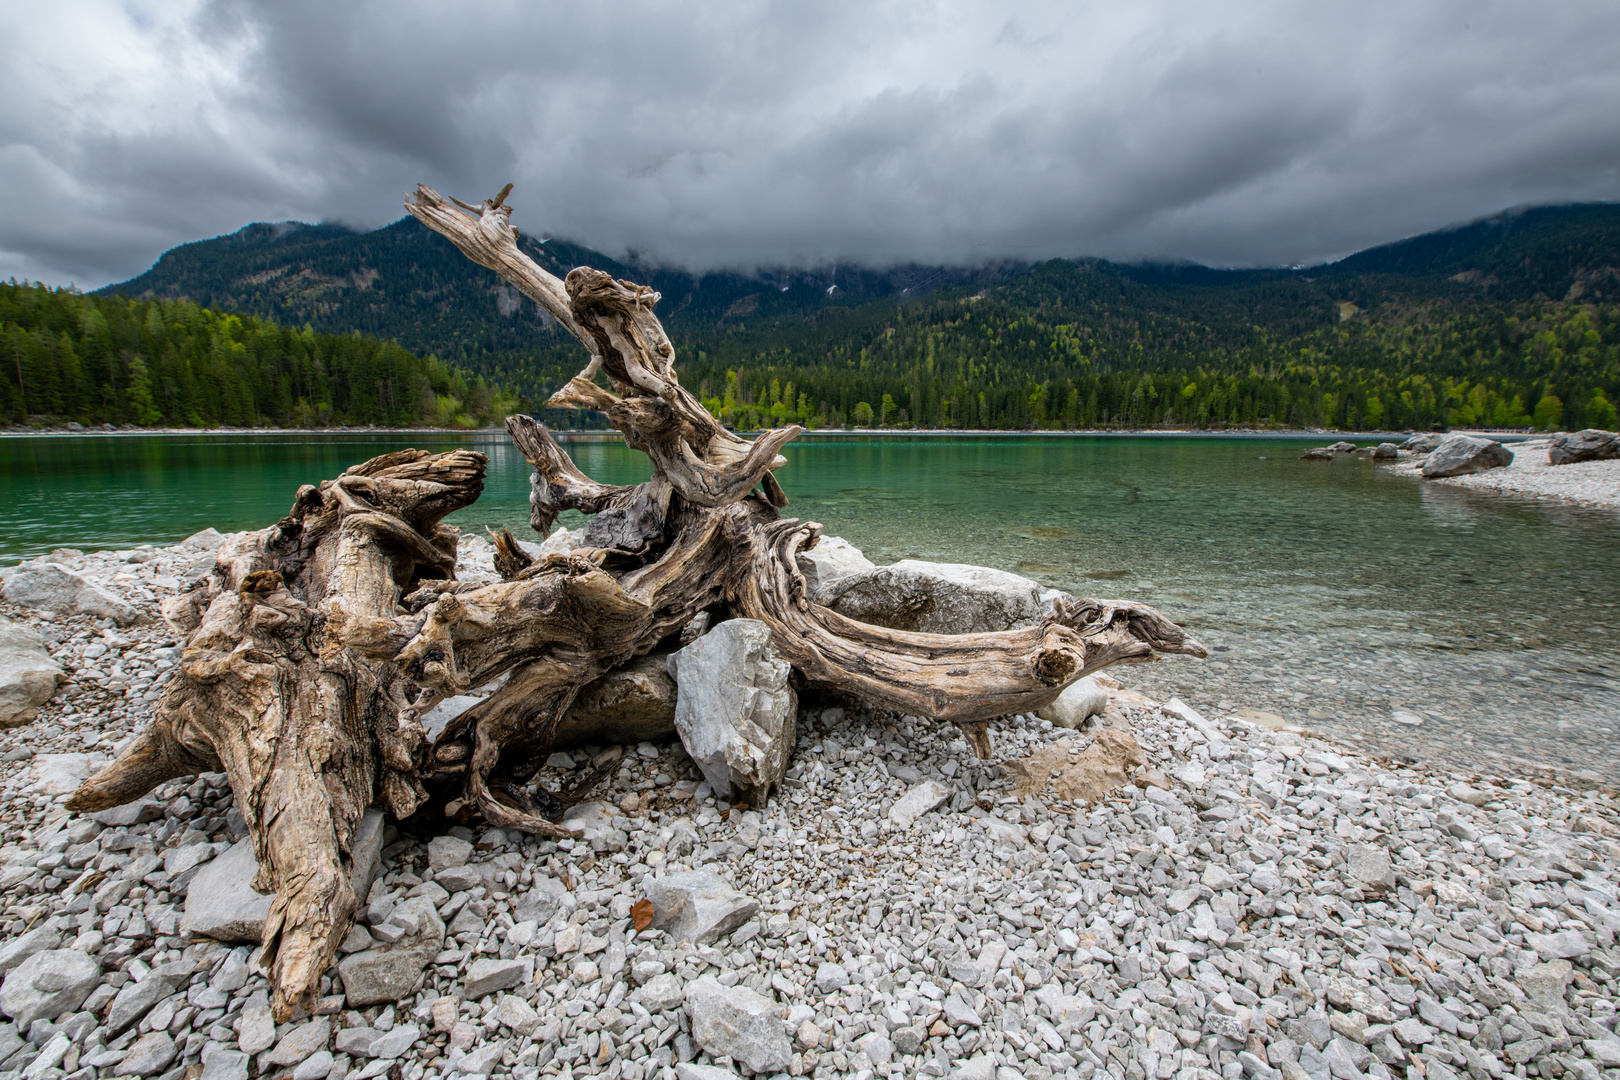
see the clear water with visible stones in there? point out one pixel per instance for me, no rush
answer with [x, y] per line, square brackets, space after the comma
[1335, 594]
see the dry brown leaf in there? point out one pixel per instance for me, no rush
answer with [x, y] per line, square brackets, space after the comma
[1104, 766]
[641, 913]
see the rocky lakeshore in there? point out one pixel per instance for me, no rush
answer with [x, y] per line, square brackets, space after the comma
[1248, 902]
[1589, 483]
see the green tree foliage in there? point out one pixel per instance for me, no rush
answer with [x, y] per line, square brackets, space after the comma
[107, 359]
[1010, 361]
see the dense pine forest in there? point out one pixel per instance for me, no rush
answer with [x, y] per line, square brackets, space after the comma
[97, 360]
[1044, 353]
[1510, 322]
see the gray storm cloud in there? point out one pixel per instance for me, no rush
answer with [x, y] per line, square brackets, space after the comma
[751, 135]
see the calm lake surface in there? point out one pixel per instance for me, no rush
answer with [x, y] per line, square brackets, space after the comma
[1334, 594]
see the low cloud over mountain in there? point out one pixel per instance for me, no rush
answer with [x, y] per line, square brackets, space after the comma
[803, 134]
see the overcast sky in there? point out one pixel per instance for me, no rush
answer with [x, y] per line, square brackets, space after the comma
[798, 133]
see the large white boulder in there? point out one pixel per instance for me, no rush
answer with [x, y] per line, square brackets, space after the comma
[734, 710]
[48, 586]
[940, 598]
[832, 560]
[28, 675]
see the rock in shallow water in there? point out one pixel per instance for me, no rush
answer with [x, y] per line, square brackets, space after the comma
[735, 712]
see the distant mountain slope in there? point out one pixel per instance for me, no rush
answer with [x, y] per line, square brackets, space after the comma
[1507, 321]
[1515, 255]
[405, 282]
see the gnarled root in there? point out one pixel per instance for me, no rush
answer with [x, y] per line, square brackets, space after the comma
[270, 689]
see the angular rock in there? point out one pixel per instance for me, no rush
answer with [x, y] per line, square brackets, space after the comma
[461, 878]
[1079, 701]
[696, 906]
[61, 774]
[392, 1044]
[150, 1054]
[1546, 983]
[222, 903]
[630, 704]
[23, 946]
[256, 1030]
[487, 975]
[386, 973]
[918, 801]
[1463, 454]
[735, 711]
[517, 1014]
[739, 1024]
[1590, 444]
[448, 851]
[939, 598]
[314, 1067]
[48, 586]
[541, 902]
[47, 985]
[830, 977]
[691, 1070]
[832, 560]
[365, 852]
[1370, 868]
[661, 993]
[1564, 945]
[28, 675]
[136, 999]
[301, 1042]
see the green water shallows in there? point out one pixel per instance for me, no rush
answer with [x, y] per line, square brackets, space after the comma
[1336, 594]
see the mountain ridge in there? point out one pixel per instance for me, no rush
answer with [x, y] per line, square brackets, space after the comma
[1486, 319]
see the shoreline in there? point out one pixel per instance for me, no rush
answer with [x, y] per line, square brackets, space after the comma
[807, 433]
[1259, 902]
[1583, 483]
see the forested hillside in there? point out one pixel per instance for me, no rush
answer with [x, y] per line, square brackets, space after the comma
[155, 363]
[1508, 322]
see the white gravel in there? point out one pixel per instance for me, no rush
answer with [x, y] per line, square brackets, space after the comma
[1266, 905]
[1590, 483]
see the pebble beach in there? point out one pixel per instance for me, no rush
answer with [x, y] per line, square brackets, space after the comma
[1589, 483]
[1251, 902]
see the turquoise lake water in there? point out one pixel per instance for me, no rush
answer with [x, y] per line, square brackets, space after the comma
[1337, 593]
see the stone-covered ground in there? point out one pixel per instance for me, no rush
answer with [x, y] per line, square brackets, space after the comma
[1267, 904]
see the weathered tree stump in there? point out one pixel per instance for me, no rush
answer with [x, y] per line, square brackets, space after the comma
[314, 646]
